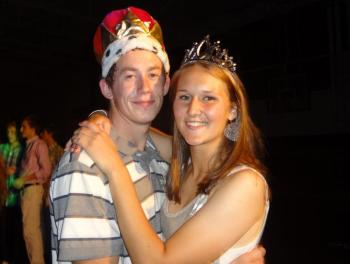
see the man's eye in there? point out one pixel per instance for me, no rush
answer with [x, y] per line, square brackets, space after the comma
[154, 75]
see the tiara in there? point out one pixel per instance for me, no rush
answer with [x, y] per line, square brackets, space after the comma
[210, 52]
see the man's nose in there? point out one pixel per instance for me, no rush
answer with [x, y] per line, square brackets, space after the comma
[145, 85]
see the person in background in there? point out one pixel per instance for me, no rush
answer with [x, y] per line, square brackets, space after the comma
[3, 189]
[48, 134]
[10, 153]
[3, 194]
[217, 190]
[11, 238]
[35, 171]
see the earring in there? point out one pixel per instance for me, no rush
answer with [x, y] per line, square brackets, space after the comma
[232, 129]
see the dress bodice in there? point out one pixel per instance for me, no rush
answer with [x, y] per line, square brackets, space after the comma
[170, 222]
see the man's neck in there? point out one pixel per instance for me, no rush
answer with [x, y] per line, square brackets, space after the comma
[31, 137]
[134, 133]
[14, 144]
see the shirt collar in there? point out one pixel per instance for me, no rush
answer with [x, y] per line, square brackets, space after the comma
[32, 139]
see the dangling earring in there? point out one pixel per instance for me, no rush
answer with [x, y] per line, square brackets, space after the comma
[232, 129]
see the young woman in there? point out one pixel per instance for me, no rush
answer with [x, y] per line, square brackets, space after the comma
[217, 195]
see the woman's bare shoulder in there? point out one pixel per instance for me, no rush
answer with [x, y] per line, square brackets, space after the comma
[244, 182]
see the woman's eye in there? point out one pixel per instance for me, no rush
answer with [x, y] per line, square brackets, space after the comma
[209, 98]
[129, 76]
[184, 97]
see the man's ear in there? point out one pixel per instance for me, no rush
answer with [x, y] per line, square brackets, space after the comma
[166, 85]
[105, 89]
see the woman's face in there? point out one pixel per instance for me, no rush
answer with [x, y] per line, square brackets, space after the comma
[201, 107]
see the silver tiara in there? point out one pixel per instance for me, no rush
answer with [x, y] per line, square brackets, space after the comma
[210, 52]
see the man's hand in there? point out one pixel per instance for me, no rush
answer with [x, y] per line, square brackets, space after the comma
[10, 170]
[72, 147]
[255, 256]
[18, 183]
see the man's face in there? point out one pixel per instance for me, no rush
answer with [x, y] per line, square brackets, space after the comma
[12, 134]
[138, 87]
[27, 131]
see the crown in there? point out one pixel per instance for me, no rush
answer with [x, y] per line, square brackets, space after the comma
[210, 52]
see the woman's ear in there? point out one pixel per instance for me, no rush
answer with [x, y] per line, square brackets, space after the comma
[105, 89]
[233, 113]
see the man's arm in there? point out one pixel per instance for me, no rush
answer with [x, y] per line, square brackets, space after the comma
[108, 260]
[255, 256]
[44, 171]
[162, 142]
[83, 216]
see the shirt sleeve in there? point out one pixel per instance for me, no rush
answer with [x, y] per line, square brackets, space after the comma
[44, 171]
[83, 217]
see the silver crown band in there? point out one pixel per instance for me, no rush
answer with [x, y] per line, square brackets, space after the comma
[210, 52]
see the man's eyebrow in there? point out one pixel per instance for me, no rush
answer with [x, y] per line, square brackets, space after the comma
[135, 69]
[128, 68]
[155, 68]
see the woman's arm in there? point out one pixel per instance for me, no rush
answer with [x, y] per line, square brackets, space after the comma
[230, 212]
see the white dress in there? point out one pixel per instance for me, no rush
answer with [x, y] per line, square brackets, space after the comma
[170, 222]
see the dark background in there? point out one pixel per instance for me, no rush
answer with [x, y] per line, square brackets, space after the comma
[293, 57]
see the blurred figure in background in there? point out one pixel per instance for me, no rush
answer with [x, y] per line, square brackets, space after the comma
[3, 189]
[35, 171]
[48, 134]
[10, 153]
[11, 239]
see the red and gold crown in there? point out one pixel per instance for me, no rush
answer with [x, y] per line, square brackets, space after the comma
[124, 30]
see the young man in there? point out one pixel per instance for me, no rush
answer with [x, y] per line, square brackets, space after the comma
[55, 150]
[11, 153]
[35, 171]
[10, 214]
[135, 78]
[48, 134]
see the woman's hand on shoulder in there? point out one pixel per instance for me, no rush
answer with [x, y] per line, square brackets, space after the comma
[101, 120]
[98, 144]
[98, 118]
[255, 256]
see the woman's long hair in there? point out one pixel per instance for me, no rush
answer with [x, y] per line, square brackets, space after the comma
[245, 150]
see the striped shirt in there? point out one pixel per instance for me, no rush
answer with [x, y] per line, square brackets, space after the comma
[82, 212]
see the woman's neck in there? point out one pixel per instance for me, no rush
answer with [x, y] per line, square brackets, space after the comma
[202, 160]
